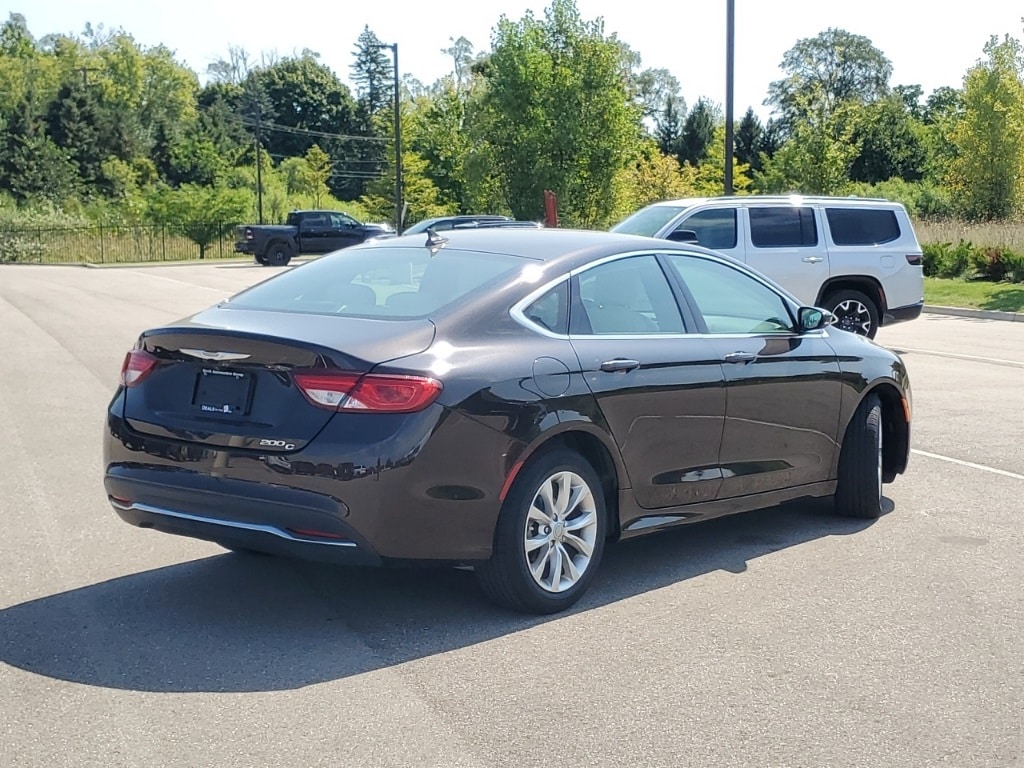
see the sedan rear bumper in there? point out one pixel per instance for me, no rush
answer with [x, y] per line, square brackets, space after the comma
[233, 534]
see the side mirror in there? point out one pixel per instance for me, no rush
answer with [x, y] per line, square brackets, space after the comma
[813, 318]
[683, 236]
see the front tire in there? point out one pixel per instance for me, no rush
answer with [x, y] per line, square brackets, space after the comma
[854, 312]
[550, 536]
[859, 490]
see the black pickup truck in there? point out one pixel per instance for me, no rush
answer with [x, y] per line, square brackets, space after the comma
[303, 232]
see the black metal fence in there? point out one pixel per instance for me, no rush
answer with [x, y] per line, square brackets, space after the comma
[105, 244]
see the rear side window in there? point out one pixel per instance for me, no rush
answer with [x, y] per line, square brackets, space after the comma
[783, 227]
[393, 282]
[551, 311]
[862, 226]
[715, 228]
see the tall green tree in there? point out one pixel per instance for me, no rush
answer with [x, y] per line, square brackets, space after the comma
[890, 142]
[698, 132]
[668, 126]
[834, 66]
[748, 140]
[373, 76]
[816, 158]
[987, 172]
[304, 103]
[559, 114]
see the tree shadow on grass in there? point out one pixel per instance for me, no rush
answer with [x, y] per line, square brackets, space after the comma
[245, 623]
[1009, 299]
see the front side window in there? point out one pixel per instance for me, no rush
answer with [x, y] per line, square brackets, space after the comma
[392, 282]
[715, 228]
[628, 296]
[782, 227]
[731, 301]
[340, 221]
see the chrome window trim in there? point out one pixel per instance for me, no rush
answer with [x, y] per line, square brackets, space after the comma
[517, 312]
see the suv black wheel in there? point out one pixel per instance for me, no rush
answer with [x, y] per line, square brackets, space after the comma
[549, 538]
[854, 312]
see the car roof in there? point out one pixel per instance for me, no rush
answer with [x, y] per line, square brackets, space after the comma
[563, 249]
[687, 202]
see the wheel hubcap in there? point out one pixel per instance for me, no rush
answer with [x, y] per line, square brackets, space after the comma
[561, 531]
[853, 316]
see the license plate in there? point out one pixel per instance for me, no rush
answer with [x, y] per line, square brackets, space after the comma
[223, 391]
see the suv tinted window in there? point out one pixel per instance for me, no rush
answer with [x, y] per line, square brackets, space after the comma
[862, 226]
[783, 227]
[715, 228]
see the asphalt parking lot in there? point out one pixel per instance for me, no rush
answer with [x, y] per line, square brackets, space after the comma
[784, 637]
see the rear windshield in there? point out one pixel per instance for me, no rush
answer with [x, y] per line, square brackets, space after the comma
[648, 221]
[386, 282]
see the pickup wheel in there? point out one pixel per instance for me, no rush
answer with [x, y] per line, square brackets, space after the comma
[279, 253]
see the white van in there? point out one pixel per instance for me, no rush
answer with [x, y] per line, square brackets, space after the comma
[857, 257]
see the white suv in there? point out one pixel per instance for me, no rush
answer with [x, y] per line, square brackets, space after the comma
[857, 257]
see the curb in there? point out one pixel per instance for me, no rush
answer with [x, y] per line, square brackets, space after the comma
[981, 314]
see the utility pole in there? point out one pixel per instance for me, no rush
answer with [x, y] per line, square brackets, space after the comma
[393, 47]
[259, 164]
[730, 35]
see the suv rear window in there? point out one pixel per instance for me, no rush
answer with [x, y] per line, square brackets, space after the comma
[862, 226]
[782, 227]
[391, 282]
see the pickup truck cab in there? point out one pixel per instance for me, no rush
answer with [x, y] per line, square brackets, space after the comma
[857, 257]
[303, 232]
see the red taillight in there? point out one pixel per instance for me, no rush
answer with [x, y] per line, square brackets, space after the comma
[137, 365]
[915, 259]
[371, 393]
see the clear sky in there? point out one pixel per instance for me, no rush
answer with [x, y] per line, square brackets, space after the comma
[929, 43]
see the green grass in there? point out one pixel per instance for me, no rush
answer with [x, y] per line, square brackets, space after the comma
[974, 294]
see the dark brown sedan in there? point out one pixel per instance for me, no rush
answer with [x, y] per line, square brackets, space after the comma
[510, 400]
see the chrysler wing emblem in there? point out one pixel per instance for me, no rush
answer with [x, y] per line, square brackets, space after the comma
[202, 354]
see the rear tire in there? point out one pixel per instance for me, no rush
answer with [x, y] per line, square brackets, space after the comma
[549, 538]
[854, 312]
[279, 254]
[859, 490]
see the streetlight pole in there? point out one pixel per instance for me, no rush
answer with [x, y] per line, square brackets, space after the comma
[730, 35]
[393, 47]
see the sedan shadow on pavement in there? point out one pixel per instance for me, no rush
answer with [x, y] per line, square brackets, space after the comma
[243, 623]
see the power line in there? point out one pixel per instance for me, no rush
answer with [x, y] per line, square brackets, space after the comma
[306, 131]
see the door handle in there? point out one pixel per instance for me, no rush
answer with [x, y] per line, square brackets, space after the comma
[619, 365]
[811, 259]
[740, 357]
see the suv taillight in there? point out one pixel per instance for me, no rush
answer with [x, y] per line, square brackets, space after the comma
[248, 233]
[915, 259]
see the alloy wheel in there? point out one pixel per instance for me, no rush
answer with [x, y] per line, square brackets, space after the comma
[561, 531]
